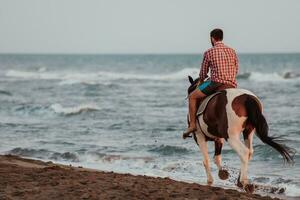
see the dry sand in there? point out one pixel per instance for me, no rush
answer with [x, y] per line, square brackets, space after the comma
[32, 179]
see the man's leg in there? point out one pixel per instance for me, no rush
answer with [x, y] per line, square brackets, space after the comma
[194, 97]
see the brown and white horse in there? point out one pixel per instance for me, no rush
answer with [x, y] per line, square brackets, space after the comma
[228, 115]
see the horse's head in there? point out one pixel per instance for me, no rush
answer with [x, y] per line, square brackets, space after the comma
[193, 85]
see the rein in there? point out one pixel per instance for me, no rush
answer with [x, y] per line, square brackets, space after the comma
[195, 84]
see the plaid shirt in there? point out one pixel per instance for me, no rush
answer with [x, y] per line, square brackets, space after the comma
[223, 64]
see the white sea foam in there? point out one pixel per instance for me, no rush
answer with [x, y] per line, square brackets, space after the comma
[267, 77]
[98, 77]
[32, 74]
[57, 108]
[42, 69]
[270, 77]
[105, 77]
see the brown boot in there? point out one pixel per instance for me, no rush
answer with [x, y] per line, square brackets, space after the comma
[188, 131]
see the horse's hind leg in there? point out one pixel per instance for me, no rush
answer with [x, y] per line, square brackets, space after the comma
[243, 152]
[206, 162]
[248, 139]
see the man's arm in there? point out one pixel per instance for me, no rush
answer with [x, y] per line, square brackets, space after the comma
[204, 68]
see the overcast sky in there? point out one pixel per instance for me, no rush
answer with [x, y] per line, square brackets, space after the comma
[147, 26]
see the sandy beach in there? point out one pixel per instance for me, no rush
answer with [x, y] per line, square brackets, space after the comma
[33, 179]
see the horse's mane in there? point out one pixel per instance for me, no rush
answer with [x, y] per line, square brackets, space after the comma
[194, 84]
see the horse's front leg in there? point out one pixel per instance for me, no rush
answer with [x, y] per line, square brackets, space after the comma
[223, 173]
[218, 149]
[206, 161]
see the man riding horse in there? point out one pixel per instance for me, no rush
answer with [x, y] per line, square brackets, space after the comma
[222, 62]
[228, 114]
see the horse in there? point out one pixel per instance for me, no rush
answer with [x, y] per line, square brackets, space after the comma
[229, 114]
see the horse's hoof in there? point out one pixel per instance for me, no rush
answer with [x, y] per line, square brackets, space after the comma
[249, 188]
[223, 174]
[239, 184]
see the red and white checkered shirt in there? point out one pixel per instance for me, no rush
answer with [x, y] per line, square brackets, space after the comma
[223, 64]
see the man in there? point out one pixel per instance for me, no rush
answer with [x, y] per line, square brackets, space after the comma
[223, 64]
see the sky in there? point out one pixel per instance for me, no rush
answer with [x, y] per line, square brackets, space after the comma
[147, 26]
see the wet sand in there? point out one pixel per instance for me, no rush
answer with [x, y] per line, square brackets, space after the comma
[33, 179]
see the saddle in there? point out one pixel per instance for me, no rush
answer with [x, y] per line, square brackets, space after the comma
[206, 100]
[204, 103]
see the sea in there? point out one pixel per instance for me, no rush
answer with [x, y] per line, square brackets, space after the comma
[126, 113]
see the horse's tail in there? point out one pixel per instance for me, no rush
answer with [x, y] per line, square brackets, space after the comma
[256, 118]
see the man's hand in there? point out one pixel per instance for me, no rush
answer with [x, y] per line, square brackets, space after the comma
[199, 82]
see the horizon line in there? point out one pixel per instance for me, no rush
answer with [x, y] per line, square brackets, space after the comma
[161, 53]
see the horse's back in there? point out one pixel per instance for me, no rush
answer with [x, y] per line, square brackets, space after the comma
[238, 96]
[231, 93]
[224, 100]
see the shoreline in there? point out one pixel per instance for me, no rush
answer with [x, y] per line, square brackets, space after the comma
[23, 178]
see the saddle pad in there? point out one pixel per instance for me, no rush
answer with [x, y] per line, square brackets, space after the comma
[205, 102]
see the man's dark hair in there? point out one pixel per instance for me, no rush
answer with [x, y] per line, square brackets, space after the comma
[217, 34]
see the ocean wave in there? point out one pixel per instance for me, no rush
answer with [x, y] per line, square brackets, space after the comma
[103, 77]
[244, 75]
[29, 109]
[279, 186]
[270, 77]
[7, 93]
[168, 150]
[57, 142]
[57, 108]
[38, 153]
[112, 158]
[97, 156]
[67, 156]
[44, 154]
[291, 75]
[32, 74]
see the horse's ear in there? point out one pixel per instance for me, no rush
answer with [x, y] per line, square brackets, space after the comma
[191, 80]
